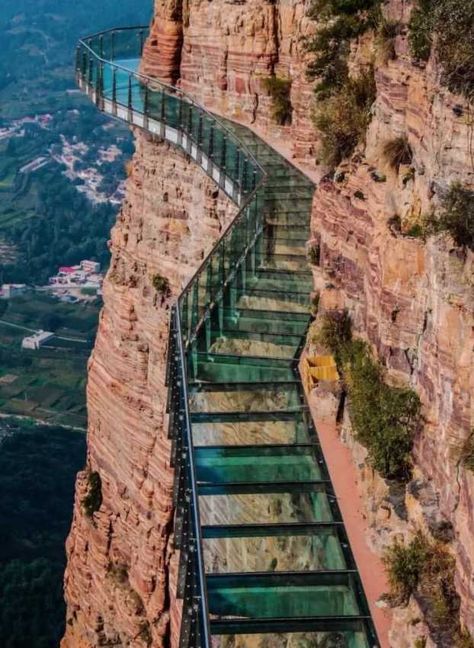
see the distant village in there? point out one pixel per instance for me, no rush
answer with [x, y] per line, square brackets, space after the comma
[88, 179]
[71, 284]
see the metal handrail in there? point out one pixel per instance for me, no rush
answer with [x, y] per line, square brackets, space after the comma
[173, 90]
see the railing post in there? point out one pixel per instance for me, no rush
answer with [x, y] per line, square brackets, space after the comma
[244, 174]
[140, 35]
[146, 100]
[114, 91]
[99, 87]
[90, 79]
[112, 45]
[130, 99]
[211, 142]
[101, 46]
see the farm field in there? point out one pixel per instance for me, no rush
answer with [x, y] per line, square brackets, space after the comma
[48, 384]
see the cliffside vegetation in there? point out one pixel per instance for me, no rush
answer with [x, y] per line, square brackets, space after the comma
[342, 111]
[384, 418]
[93, 499]
[279, 90]
[447, 26]
[457, 215]
[425, 569]
[161, 284]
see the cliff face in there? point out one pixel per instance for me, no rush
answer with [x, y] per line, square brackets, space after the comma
[118, 577]
[413, 300]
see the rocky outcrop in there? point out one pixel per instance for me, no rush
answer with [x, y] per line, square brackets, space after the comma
[120, 560]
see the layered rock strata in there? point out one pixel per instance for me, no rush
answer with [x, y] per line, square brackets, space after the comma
[118, 577]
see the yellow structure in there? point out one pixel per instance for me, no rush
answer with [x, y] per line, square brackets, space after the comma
[317, 368]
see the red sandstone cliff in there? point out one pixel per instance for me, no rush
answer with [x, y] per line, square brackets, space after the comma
[412, 300]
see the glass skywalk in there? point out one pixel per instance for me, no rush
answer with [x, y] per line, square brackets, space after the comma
[264, 557]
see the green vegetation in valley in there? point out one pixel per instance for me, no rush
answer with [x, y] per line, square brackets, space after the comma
[38, 42]
[38, 465]
[384, 418]
[42, 214]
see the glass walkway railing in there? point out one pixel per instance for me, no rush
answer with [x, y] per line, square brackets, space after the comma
[264, 557]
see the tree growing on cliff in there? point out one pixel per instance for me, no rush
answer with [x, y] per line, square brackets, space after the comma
[92, 501]
[446, 27]
[457, 215]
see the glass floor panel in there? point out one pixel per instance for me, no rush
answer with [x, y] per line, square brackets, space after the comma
[247, 347]
[253, 464]
[257, 398]
[267, 325]
[265, 508]
[335, 638]
[304, 595]
[228, 369]
[278, 304]
[250, 432]
[273, 553]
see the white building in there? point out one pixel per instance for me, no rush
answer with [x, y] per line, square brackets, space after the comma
[90, 266]
[12, 290]
[36, 340]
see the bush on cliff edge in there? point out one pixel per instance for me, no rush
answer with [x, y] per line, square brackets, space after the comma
[384, 418]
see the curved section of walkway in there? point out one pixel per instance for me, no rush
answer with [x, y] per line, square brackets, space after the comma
[264, 556]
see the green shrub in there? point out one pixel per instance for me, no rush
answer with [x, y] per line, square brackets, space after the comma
[427, 568]
[93, 498]
[420, 27]
[450, 25]
[405, 564]
[467, 453]
[314, 254]
[397, 151]
[161, 284]
[342, 118]
[387, 31]
[339, 22]
[279, 90]
[384, 418]
[145, 633]
[416, 231]
[335, 332]
[457, 215]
